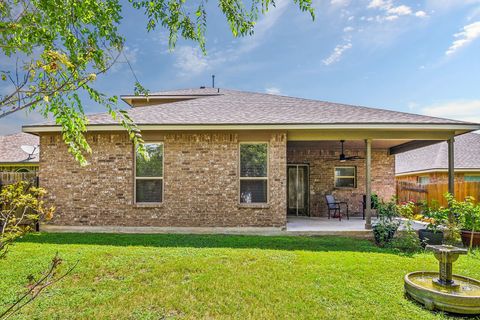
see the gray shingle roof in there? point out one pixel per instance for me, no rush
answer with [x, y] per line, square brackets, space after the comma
[192, 92]
[239, 107]
[10, 147]
[466, 152]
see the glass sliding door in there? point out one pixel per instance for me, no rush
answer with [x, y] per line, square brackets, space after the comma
[297, 197]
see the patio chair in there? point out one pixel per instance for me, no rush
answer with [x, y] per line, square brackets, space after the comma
[335, 206]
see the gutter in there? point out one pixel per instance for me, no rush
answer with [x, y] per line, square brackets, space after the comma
[411, 173]
[19, 163]
[335, 126]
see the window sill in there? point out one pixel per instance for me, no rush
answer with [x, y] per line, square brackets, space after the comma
[345, 188]
[148, 205]
[254, 205]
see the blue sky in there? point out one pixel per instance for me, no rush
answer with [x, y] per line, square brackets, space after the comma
[413, 56]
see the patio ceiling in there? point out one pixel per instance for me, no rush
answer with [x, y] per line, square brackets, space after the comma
[349, 144]
[393, 139]
[394, 146]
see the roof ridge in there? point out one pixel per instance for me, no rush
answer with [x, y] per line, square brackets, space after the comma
[381, 109]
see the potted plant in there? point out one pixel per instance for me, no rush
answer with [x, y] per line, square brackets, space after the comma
[386, 226]
[468, 215]
[436, 217]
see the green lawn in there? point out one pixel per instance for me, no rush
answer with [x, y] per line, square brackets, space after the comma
[218, 277]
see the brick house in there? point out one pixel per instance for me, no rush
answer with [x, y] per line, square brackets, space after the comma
[226, 158]
[18, 157]
[430, 164]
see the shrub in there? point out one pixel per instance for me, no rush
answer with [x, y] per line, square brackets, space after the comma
[435, 215]
[466, 213]
[21, 205]
[386, 226]
[406, 209]
[406, 241]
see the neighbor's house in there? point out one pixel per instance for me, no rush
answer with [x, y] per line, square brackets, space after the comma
[15, 163]
[430, 164]
[225, 158]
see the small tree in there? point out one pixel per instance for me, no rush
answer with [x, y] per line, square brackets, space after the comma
[21, 206]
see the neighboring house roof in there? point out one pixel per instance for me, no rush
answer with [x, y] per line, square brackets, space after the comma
[11, 151]
[435, 157]
[211, 106]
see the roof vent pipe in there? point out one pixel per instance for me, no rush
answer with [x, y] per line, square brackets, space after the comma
[213, 81]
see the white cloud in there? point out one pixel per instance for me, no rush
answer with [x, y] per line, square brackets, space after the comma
[391, 17]
[469, 34]
[273, 90]
[474, 14]
[341, 3]
[337, 53]
[129, 55]
[190, 60]
[263, 26]
[391, 11]
[401, 10]
[421, 14]
[348, 29]
[465, 110]
[380, 4]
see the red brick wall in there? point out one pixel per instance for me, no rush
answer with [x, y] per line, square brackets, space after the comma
[322, 164]
[200, 182]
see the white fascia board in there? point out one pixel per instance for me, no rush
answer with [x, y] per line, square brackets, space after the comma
[352, 126]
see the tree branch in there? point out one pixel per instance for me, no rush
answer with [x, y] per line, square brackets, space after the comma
[37, 287]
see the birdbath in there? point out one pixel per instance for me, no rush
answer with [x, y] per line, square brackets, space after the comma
[443, 290]
[446, 256]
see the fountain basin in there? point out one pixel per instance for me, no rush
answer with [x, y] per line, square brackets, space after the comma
[462, 299]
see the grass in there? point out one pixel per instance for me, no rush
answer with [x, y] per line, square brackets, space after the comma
[218, 277]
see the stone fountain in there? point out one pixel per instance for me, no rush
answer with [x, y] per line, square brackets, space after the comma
[444, 290]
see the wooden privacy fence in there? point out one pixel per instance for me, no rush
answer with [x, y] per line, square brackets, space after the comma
[407, 191]
[12, 177]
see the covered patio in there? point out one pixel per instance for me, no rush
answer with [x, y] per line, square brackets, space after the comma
[355, 226]
[350, 165]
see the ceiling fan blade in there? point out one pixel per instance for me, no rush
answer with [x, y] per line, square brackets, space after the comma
[354, 158]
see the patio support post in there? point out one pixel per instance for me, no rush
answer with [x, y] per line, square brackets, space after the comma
[451, 166]
[368, 184]
[451, 171]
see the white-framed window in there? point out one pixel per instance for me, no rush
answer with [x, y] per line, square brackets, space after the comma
[423, 180]
[149, 174]
[346, 177]
[253, 172]
[471, 178]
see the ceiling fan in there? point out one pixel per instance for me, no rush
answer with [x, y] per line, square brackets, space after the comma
[344, 158]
